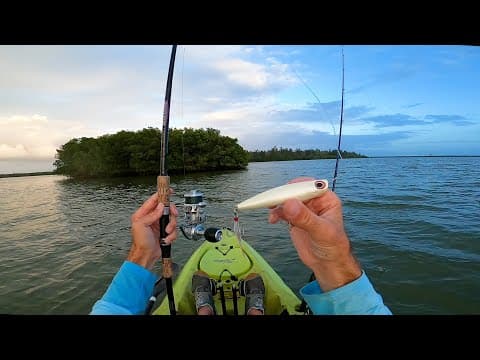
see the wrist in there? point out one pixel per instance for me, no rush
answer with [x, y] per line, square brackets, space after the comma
[334, 274]
[145, 259]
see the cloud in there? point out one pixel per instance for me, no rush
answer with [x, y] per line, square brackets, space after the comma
[255, 76]
[454, 119]
[354, 112]
[34, 137]
[320, 112]
[122, 87]
[393, 120]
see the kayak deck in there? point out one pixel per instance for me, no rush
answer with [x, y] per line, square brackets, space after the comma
[227, 262]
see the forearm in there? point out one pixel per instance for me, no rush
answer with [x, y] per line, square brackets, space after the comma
[355, 298]
[128, 293]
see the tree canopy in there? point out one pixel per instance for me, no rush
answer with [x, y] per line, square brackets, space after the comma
[138, 153]
[286, 154]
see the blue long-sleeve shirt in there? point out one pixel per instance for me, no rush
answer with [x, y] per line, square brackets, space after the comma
[132, 286]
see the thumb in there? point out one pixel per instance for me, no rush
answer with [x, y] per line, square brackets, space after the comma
[153, 216]
[297, 214]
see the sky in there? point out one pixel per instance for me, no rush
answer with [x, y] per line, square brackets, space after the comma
[398, 100]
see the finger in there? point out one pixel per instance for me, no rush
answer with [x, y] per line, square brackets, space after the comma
[147, 206]
[171, 237]
[173, 209]
[171, 228]
[173, 217]
[153, 216]
[273, 217]
[172, 224]
[325, 202]
[298, 214]
[276, 214]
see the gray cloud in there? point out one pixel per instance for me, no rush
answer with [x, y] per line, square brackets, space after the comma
[355, 111]
[454, 119]
[393, 120]
[398, 119]
[328, 111]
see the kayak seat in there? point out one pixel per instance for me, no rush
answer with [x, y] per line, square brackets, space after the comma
[223, 261]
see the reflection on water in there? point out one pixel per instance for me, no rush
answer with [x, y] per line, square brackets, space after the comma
[414, 226]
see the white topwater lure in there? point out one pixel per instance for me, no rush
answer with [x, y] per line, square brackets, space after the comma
[303, 190]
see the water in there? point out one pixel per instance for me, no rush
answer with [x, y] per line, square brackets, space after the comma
[414, 224]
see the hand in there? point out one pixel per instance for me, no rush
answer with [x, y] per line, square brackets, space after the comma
[317, 232]
[145, 250]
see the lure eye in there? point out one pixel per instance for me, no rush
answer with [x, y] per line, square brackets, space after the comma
[319, 184]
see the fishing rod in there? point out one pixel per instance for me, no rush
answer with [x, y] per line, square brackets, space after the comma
[339, 154]
[163, 188]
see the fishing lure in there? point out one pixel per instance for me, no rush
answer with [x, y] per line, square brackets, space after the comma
[303, 190]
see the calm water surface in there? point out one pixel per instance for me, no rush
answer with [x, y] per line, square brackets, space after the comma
[414, 224]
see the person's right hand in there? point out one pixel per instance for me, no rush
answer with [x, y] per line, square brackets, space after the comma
[318, 234]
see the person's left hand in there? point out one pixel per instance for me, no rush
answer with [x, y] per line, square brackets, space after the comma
[145, 250]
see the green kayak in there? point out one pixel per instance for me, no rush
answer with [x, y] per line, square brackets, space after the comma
[229, 261]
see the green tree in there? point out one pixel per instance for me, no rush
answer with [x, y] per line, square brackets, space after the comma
[285, 154]
[138, 153]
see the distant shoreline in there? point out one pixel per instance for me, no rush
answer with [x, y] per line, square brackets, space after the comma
[27, 174]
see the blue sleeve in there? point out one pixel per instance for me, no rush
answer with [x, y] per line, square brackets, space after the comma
[356, 298]
[128, 293]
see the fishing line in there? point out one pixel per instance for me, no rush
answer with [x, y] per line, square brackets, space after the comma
[339, 154]
[319, 102]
